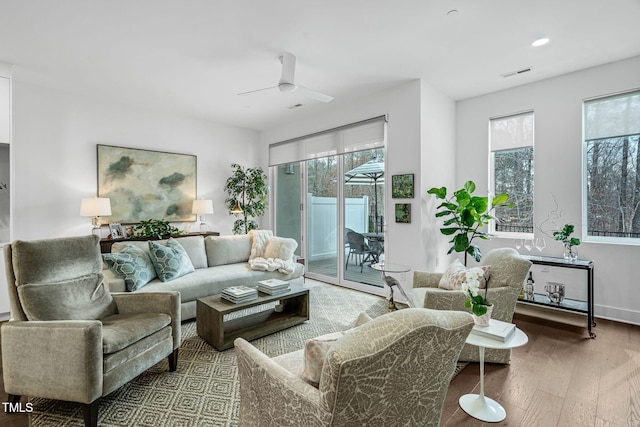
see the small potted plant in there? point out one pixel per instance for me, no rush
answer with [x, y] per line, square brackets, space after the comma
[569, 242]
[480, 306]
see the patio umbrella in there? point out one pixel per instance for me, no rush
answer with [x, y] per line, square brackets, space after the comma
[370, 173]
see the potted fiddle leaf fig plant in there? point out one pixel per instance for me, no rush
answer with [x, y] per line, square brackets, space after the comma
[464, 215]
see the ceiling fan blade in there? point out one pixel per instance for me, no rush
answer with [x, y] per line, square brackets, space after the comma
[288, 61]
[313, 94]
[258, 90]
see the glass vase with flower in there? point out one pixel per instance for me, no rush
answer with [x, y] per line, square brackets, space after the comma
[481, 308]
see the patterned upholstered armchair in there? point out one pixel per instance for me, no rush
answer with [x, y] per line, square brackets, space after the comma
[507, 273]
[68, 337]
[392, 370]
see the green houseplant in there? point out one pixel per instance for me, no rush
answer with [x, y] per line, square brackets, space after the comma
[464, 215]
[247, 189]
[154, 228]
[568, 242]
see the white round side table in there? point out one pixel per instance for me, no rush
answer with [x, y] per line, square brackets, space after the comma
[478, 405]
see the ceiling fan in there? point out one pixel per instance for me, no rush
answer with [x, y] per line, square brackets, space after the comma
[286, 83]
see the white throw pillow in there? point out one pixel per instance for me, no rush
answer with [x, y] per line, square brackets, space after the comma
[280, 248]
[456, 273]
[259, 240]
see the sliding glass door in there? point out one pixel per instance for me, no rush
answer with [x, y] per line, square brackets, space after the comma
[335, 208]
[329, 196]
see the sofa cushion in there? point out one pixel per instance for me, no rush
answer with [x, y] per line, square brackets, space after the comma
[222, 250]
[170, 260]
[122, 330]
[133, 265]
[82, 298]
[280, 248]
[456, 273]
[210, 281]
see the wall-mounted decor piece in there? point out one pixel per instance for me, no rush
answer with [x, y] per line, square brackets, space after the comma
[403, 212]
[402, 186]
[145, 184]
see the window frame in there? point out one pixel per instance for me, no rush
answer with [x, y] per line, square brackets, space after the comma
[492, 223]
[630, 241]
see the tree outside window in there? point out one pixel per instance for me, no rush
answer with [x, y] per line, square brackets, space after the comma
[511, 139]
[612, 156]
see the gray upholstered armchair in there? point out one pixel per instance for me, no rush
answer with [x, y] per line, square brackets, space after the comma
[507, 273]
[392, 370]
[68, 337]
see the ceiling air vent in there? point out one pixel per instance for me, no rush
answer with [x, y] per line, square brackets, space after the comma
[515, 73]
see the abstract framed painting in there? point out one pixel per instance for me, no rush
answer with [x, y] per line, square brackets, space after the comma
[402, 186]
[403, 212]
[146, 184]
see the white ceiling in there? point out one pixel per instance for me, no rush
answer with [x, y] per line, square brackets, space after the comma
[193, 56]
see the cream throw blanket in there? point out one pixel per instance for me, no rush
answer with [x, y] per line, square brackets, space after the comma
[269, 253]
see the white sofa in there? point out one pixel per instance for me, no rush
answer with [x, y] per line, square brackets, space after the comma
[219, 262]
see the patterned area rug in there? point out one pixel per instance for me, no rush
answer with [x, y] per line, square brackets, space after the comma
[204, 391]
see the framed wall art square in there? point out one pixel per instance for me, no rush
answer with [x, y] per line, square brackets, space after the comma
[146, 184]
[402, 186]
[403, 212]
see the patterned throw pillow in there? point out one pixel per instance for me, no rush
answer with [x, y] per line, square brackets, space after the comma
[170, 260]
[456, 274]
[315, 353]
[131, 264]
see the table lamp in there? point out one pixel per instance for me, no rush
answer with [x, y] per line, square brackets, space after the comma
[202, 207]
[95, 207]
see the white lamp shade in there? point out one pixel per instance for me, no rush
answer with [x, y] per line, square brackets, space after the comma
[202, 207]
[95, 206]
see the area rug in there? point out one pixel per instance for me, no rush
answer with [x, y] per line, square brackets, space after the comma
[204, 391]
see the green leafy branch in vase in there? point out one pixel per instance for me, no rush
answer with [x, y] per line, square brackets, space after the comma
[465, 214]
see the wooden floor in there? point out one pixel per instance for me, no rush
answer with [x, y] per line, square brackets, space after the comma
[560, 378]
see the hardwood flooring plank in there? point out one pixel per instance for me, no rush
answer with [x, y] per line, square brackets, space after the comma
[544, 411]
[577, 413]
[614, 391]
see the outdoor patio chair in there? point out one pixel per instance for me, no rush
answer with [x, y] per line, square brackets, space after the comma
[361, 249]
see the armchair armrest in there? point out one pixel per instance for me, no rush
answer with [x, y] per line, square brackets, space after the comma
[167, 302]
[425, 279]
[53, 359]
[271, 395]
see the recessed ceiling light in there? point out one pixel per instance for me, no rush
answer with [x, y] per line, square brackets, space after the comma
[540, 42]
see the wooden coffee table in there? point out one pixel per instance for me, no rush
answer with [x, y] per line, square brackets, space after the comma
[212, 327]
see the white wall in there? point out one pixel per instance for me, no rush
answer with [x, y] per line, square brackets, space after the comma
[54, 142]
[557, 105]
[412, 147]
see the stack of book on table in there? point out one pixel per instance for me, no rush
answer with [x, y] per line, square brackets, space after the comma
[238, 294]
[496, 330]
[273, 286]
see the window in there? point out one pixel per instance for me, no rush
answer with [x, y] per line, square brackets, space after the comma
[612, 166]
[511, 141]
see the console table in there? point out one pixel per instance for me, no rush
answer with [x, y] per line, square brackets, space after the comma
[105, 244]
[567, 304]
